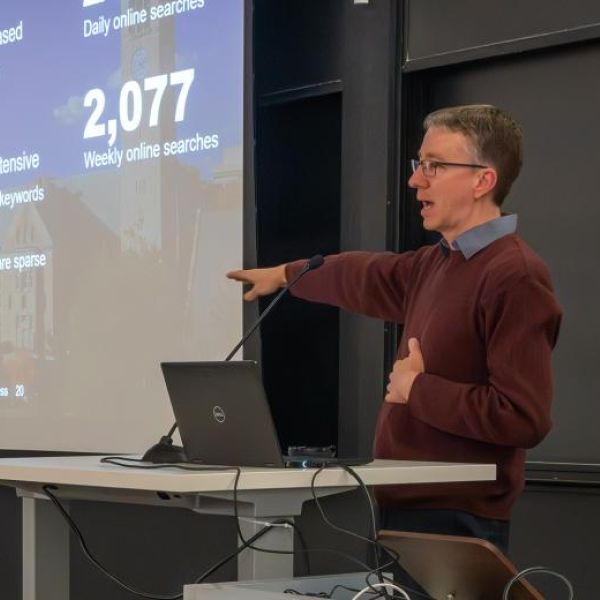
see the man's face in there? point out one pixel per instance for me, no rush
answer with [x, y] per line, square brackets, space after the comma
[448, 198]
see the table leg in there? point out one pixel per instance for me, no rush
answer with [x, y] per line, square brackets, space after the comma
[45, 551]
[256, 508]
[263, 565]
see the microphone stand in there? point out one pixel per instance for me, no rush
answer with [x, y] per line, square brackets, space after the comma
[165, 451]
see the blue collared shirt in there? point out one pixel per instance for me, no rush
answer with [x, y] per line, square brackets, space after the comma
[472, 241]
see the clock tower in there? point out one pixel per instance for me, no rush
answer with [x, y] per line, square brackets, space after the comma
[147, 49]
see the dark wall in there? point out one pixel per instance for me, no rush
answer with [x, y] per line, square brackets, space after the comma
[10, 545]
[296, 44]
[298, 215]
[448, 32]
[369, 182]
[558, 527]
[322, 64]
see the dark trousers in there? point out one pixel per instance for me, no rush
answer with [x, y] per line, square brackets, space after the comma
[447, 522]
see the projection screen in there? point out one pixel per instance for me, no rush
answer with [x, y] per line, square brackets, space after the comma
[121, 133]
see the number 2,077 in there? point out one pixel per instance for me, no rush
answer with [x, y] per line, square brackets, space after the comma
[131, 104]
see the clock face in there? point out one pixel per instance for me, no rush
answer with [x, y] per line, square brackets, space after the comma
[139, 63]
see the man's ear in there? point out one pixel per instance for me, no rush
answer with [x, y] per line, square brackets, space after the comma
[485, 182]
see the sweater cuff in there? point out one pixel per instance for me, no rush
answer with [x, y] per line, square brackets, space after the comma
[293, 268]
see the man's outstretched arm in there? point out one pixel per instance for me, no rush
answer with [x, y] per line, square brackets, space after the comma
[263, 281]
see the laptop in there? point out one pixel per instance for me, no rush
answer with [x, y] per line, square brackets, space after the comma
[224, 417]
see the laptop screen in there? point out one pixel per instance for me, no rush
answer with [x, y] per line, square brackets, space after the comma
[222, 413]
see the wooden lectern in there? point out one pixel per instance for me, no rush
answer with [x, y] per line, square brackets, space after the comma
[452, 567]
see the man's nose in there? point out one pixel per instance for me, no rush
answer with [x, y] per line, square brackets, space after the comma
[418, 180]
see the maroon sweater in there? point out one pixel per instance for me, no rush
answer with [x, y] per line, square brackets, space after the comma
[487, 327]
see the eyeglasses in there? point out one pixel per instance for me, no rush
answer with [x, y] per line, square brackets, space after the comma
[430, 166]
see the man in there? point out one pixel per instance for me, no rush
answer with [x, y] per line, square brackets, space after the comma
[473, 380]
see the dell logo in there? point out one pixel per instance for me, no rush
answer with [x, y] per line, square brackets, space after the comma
[218, 414]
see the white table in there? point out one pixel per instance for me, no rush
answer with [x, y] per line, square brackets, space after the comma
[263, 493]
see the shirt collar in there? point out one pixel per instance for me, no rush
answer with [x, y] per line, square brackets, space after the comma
[472, 241]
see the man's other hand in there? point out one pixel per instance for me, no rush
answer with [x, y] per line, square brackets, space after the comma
[263, 281]
[404, 373]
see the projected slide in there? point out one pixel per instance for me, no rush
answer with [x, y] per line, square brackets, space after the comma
[120, 212]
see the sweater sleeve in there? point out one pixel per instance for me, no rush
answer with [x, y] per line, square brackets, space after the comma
[370, 283]
[513, 407]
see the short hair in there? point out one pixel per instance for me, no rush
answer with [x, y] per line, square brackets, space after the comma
[496, 139]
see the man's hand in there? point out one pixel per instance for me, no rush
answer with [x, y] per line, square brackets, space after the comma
[263, 281]
[404, 374]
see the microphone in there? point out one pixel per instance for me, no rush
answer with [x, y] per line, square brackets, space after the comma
[165, 451]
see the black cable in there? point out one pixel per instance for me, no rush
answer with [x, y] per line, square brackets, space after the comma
[116, 460]
[271, 550]
[246, 543]
[253, 538]
[249, 544]
[348, 557]
[231, 556]
[122, 461]
[392, 554]
[337, 527]
[363, 487]
[376, 544]
[140, 464]
[94, 561]
[339, 586]
[293, 592]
